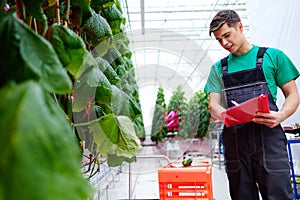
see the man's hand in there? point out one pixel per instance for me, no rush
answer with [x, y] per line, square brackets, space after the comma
[290, 105]
[271, 119]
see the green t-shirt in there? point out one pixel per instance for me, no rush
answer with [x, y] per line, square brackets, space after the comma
[277, 67]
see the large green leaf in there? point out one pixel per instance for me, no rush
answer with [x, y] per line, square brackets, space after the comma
[90, 83]
[114, 58]
[26, 55]
[88, 62]
[93, 84]
[114, 160]
[115, 135]
[97, 27]
[114, 18]
[69, 47]
[122, 104]
[128, 141]
[107, 69]
[12, 67]
[39, 156]
[139, 127]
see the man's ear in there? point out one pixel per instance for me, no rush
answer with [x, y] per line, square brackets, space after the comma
[240, 26]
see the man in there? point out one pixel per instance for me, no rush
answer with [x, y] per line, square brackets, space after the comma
[255, 152]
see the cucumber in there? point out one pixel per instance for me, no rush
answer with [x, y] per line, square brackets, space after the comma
[187, 161]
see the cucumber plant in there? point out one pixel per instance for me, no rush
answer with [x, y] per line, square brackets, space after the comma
[159, 129]
[67, 81]
[194, 115]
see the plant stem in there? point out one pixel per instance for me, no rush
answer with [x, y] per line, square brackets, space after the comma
[87, 123]
[66, 10]
[57, 12]
[29, 21]
[35, 25]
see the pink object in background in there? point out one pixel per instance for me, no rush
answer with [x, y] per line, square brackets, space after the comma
[172, 121]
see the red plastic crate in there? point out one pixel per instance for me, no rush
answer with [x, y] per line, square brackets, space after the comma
[185, 183]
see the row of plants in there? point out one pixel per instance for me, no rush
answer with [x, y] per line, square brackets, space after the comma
[66, 80]
[193, 115]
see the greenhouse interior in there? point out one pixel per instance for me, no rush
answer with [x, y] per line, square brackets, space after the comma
[107, 99]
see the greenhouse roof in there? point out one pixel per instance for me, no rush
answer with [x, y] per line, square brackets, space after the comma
[171, 45]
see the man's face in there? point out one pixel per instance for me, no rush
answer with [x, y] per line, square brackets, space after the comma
[230, 38]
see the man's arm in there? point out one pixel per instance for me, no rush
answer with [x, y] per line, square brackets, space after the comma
[215, 105]
[290, 105]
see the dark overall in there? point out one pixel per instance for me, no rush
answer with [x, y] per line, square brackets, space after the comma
[256, 156]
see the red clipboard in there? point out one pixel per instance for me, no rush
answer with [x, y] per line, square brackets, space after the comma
[245, 111]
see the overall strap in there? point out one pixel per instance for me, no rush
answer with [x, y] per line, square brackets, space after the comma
[260, 55]
[224, 63]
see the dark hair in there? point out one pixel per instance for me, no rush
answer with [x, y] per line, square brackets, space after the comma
[223, 16]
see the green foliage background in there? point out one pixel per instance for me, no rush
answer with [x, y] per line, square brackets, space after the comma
[66, 77]
[194, 115]
[159, 128]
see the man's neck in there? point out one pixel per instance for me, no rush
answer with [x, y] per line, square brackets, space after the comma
[247, 46]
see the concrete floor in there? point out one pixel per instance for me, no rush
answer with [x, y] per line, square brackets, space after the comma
[139, 180]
